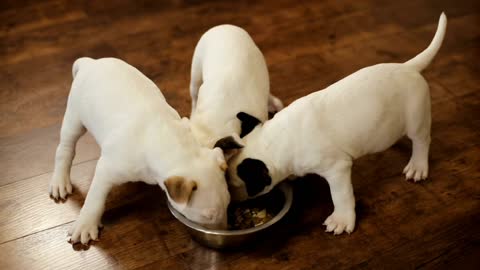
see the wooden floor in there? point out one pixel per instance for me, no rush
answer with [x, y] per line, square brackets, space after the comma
[308, 45]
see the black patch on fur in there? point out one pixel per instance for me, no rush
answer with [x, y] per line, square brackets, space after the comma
[255, 175]
[248, 123]
[227, 143]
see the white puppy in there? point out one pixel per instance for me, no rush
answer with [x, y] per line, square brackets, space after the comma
[325, 131]
[141, 138]
[229, 85]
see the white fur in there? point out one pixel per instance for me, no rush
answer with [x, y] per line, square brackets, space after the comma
[228, 76]
[141, 137]
[325, 131]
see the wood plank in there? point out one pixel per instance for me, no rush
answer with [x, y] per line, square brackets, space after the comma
[170, 263]
[464, 256]
[34, 94]
[33, 153]
[27, 202]
[137, 224]
[31, 17]
[131, 241]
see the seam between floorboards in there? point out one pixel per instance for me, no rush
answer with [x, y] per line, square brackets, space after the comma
[68, 222]
[428, 261]
[37, 175]
[26, 235]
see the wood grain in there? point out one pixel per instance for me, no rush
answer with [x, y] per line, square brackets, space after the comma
[33, 153]
[307, 45]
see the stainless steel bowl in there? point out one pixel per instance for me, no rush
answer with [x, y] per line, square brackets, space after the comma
[221, 239]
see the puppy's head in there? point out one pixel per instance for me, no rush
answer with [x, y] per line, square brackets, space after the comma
[199, 190]
[247, 177]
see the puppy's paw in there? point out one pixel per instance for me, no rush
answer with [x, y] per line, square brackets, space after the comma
[339, 222]
[84, 230]
[416, 171]
[60, 187]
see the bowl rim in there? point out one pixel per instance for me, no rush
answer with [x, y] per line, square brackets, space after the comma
[285, 188]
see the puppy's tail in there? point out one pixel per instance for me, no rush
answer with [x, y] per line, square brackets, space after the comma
[422, 60]
[79, 62]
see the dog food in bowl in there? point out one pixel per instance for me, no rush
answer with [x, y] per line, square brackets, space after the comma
[244, 218]
[255, 212]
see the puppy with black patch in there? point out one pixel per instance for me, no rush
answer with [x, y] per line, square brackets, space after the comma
[325, 131]
[229, 85]
[141, 138]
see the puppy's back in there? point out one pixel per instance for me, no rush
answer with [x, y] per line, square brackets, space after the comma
[107, 93]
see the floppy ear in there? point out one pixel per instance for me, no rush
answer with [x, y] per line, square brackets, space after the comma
[255, 174]
[220, 158]
[229, 147]
[248, 123]
[180, 189]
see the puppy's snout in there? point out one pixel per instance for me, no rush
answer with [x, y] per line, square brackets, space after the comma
[217, 220]
[210, 214]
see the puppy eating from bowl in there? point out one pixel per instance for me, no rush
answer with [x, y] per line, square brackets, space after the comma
[141, 138]
[229, 87]
[325, 131]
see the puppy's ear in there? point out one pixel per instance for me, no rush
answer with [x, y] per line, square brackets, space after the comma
[229, 147]
[179, 189]
[248, 123]
[220, 158]
[255, 174]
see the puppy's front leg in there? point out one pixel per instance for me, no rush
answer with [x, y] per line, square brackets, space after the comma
[72, 129]
[87, 223]
[343, 216]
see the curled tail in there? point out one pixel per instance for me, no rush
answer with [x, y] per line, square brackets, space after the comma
[422, 60]
[78, 63]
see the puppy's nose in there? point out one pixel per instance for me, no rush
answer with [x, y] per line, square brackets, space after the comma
[218, 219]
[210, 214]
[220, 226]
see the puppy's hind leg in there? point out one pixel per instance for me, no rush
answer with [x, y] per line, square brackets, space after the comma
[418, 130]
[72, 129]
[343, 217]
